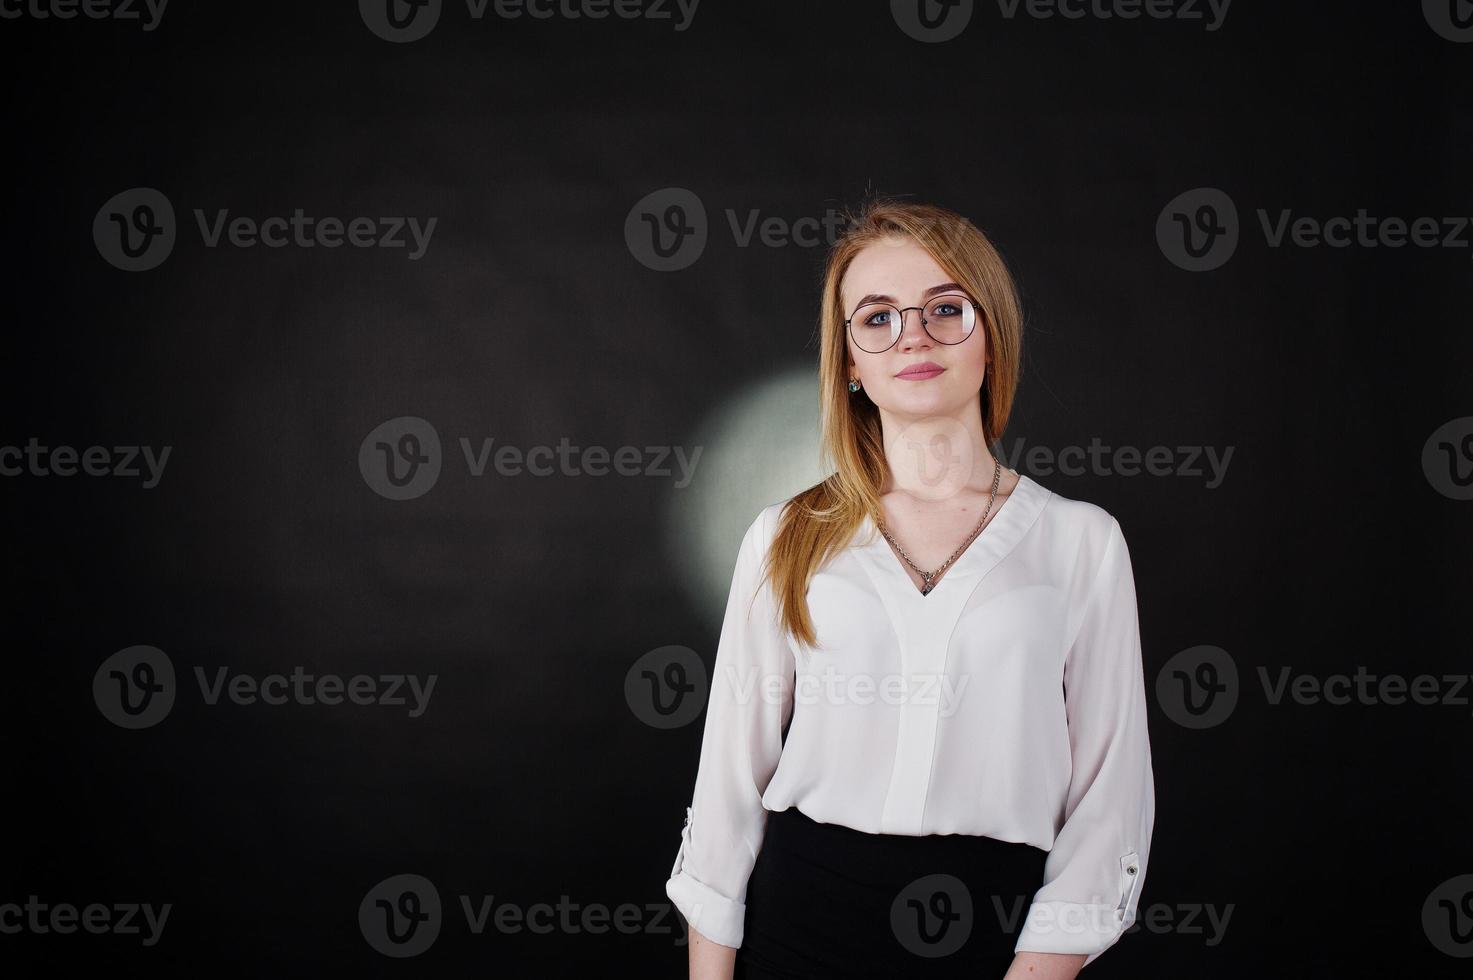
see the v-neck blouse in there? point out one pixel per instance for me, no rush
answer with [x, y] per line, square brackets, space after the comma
[1008, 703]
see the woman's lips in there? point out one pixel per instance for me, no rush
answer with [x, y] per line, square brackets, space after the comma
[921, 372]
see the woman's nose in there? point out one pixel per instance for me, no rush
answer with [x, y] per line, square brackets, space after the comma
[913, 329]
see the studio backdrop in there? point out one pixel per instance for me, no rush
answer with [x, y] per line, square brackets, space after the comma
[388, 385]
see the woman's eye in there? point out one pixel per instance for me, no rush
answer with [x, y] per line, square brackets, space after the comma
[946, 309]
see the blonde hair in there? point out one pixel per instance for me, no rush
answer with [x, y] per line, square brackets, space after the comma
[821, 520]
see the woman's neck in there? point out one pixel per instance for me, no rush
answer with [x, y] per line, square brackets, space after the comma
[935, 457]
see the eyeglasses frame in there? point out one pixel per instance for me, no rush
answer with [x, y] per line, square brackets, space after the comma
[976, 309]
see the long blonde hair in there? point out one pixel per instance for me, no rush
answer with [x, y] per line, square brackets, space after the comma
[821, 520]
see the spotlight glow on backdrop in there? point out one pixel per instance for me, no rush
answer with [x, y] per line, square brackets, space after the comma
[760, 447]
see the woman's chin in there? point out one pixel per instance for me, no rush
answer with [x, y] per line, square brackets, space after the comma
[922, 399]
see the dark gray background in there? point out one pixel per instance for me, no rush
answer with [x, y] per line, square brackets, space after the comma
[1325, 827]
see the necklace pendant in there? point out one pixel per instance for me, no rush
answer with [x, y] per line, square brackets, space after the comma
[927, 586]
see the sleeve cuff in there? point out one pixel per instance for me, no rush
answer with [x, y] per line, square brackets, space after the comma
[1071, 927]
[714, 916]
[706, 910]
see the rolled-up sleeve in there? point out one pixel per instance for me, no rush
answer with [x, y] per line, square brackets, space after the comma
[750, 704]
[1095, 870]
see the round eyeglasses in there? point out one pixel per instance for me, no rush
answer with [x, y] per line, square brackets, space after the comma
[947, 319]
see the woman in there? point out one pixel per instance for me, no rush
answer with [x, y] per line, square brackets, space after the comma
[925, 750]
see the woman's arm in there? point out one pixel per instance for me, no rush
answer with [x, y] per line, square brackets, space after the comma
[749, 706]
[1043, 966]
[1093, 876]
[710, 960]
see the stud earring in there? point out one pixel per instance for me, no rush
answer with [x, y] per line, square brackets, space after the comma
[853, 386]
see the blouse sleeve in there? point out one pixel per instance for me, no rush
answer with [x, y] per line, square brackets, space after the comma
[750, 705]
[1094, 872]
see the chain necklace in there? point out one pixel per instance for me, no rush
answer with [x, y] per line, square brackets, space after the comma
[930, 577]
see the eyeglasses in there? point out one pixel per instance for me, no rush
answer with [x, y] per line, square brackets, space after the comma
[947, 319]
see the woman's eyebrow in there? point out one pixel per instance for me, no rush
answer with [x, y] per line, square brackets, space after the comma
[945, 287]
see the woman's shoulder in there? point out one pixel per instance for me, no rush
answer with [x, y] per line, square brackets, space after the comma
[1074, 514]
[762, 526]
[768, 520]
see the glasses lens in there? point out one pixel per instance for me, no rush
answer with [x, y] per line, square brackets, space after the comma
[950, 319]
[875, 327]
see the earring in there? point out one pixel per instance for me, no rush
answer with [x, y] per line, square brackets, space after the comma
[853, 386]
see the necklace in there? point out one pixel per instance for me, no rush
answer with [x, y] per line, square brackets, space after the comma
[929, 578]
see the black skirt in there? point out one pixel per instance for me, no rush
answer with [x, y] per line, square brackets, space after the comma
[826, 900]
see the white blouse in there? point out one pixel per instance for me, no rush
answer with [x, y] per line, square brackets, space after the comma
[1009, 702]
